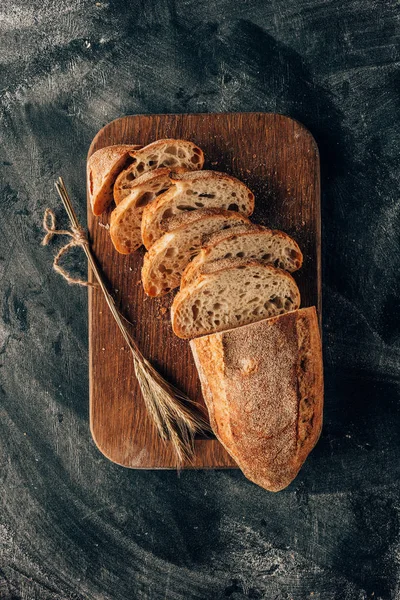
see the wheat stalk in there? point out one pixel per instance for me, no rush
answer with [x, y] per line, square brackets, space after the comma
[177, 418]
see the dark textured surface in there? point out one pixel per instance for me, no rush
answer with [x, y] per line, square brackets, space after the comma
[75, 526]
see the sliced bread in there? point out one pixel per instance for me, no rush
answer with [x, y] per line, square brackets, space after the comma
[162, 153]
[126, 218]
[263, 386]
[166, 260]
[103, 166]
[255, 242]
[193, 190]
[232, 292]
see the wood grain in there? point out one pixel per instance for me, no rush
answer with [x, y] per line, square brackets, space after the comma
[278, 160]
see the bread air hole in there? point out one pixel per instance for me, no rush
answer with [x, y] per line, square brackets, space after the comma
[266, 257]
[233, 194]
[195, 159]
[217, 322]
[171, 150]
[228, 255]
[144, 199]
[239, 254]
[199, 204]
[206, 195]
[186, 207]
[164, 189]
[170, 162]
[181, 153]
[277, 301]
[234, 207]
[167, 213]
[162, 268]
[171, 252]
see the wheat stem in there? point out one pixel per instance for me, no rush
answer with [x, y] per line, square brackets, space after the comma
[176, 417]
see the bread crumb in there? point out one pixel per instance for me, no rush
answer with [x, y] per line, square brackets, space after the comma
[107, 226]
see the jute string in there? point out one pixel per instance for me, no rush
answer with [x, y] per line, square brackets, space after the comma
[79, 238]
[177, 418]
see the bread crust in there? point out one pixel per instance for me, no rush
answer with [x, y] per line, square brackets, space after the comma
[263, 387]
[103, 167]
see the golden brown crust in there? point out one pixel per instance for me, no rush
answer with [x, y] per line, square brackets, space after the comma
[255, 380]
[103, 167]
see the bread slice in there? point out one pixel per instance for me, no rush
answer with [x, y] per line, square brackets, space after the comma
[263, 386]
[126, 218]
[162, 153]
[255, 242]
[166, 260]
[232, 292]
[190, 191]
[103, 167]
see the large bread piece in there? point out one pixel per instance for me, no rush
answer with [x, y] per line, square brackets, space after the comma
[102, 170]
[232, 292]
[263, 386]
[166, 260]
[126, 218]
[162, 153]
[191, 191]
[255, 242]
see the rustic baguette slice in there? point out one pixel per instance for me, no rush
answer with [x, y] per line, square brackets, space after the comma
[257, 242]
[102, 170]
[193, 190]
[263, 386]
[166, 260]
[126, 218]
[162, 153]
[232, 292]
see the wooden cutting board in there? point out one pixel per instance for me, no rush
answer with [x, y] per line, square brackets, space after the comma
[278, 160]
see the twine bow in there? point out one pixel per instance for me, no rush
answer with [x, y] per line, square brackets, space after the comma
[79, 238]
